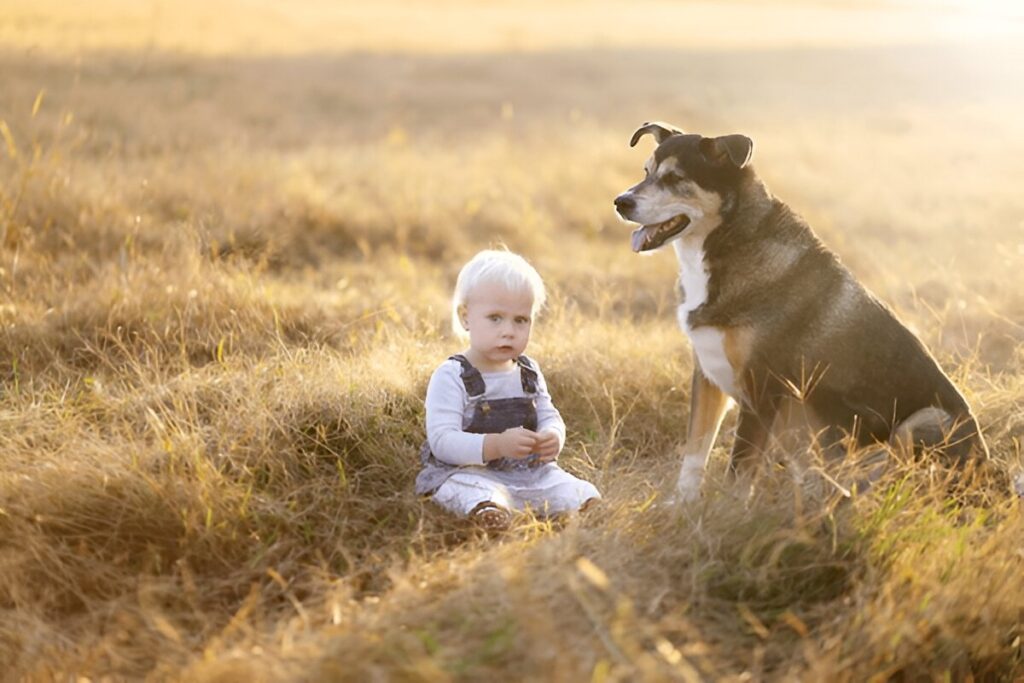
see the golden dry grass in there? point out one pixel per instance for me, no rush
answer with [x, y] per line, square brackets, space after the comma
[228, 232]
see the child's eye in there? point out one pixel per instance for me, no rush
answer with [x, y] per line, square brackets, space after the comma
[494, 317]
[522, 321]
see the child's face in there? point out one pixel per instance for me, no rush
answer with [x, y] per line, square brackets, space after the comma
[499, 324]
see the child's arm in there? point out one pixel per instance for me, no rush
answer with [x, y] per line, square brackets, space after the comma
[445, 403]
[550, 426]
[446, 399]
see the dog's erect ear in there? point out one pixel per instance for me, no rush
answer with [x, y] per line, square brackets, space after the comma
[738, 149]
[660, 131]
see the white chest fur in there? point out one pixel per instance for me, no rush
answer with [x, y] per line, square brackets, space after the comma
[708, 342]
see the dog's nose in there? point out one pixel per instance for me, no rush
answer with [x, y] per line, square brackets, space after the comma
[624, 203]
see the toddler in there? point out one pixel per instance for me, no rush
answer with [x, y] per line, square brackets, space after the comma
[493, 434]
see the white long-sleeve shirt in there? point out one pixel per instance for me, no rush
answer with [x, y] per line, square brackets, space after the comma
[449, 411]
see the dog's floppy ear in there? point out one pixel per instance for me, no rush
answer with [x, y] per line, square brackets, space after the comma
[738, 149]
[659, 130]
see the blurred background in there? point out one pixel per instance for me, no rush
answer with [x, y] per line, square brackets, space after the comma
[893, 126]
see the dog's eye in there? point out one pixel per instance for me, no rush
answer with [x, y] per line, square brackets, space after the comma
[671, 178]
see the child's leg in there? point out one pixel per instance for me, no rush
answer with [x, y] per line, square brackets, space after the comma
[465, 492]
[558, 491]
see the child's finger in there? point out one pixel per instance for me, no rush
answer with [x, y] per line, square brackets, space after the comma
[532, 436]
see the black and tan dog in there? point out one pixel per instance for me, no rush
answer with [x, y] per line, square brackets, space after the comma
[776, 322]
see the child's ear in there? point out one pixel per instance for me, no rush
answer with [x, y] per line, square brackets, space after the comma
[462, 317]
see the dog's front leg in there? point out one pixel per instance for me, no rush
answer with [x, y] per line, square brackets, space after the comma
[708, 405]
[753, 428]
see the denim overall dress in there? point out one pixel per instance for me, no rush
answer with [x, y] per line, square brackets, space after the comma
[491, 416]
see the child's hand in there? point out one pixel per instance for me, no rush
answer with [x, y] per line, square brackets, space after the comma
[515, 443]
[547, 447]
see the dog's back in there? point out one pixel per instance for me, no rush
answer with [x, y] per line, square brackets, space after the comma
[818, 331]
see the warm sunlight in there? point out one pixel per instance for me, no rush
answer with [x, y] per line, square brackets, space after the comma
[783, 339]
[461, 26]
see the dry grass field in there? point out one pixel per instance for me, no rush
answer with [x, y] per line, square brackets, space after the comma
[228, 235]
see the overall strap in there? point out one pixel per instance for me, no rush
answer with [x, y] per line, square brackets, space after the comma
[471, 377]
[528, 373]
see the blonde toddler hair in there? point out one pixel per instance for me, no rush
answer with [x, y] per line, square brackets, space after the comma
[497, 266]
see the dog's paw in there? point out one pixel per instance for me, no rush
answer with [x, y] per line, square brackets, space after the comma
[675, 501]
[686, 496]
[678, 497]
[691, 474]
[688, 487]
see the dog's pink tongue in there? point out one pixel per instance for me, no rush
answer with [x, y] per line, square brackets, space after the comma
[639, 239]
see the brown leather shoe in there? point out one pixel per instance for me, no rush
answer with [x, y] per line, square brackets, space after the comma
[491, 517]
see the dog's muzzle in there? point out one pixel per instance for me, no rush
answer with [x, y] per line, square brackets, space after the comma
[649, 237]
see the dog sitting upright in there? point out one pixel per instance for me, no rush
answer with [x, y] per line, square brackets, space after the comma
[776, 322]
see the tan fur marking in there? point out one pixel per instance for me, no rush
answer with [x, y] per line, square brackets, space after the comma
[667, 166]
[707, 217]
[709, 405]
[739, 344]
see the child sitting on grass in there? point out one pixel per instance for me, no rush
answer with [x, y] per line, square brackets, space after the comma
[493, 434]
